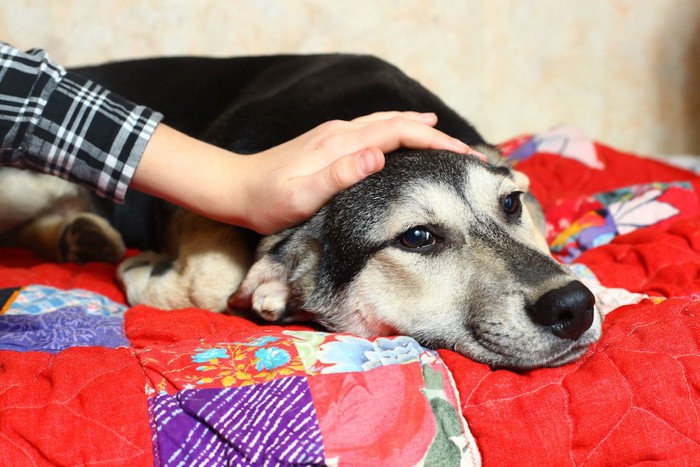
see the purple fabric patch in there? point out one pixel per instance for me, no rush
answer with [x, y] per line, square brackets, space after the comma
[59, 330]
[266, 424]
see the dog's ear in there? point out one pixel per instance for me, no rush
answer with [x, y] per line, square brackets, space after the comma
[522, 181]
[494, 157]
[283, 275]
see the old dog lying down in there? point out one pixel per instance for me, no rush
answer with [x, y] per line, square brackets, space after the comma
[439, 246]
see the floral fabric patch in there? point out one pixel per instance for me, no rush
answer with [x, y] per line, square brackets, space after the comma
[600, 218]
[304, 396]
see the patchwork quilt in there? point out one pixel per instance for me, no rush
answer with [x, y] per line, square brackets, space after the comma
[87, 380]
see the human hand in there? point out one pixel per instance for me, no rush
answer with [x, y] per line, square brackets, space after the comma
[284, 185]
[290, 182]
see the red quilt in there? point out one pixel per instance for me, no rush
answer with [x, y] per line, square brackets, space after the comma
[85, 380]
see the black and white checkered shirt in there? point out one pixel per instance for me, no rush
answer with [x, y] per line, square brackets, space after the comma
[57, 122]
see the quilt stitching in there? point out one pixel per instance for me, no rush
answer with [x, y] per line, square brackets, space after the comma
[624, 401]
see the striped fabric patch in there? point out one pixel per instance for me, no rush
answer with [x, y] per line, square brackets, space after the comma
[265, 424]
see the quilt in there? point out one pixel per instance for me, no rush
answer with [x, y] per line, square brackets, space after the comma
[87, 380]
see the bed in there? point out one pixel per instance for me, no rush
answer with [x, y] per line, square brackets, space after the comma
[87, 380]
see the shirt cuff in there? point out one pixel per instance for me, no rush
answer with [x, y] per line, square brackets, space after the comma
[91, 136]
[65, 125]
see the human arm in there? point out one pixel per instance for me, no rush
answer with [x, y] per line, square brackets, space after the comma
[66, 126]
[269, 191]
[56, 122]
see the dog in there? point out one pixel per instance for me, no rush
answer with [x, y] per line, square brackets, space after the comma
[439, 246]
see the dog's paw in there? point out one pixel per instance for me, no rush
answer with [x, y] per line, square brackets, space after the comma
[134, 274]
[88, 237]
[270, 300]
[264, 290]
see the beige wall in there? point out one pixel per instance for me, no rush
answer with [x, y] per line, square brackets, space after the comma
[626, 71]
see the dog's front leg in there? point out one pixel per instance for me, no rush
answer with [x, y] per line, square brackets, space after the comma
[265, 289]
[210, 263]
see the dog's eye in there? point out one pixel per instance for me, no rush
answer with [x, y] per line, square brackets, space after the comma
[511, 203]
[417, 238]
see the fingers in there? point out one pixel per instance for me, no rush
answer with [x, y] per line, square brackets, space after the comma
[427, 118]
[389, 134]
[339, 175]
[478, 155]
[387, 131]
[437, 139]
[409, 134]
[348, 170]
[368, 161]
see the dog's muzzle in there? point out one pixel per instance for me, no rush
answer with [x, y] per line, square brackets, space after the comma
[567, 311]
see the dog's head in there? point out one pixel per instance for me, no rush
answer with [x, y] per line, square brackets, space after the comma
[437, 246]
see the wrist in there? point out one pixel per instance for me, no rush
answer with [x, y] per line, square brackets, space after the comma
[195, 175]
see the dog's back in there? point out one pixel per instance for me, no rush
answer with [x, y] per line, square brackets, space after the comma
[248, 104]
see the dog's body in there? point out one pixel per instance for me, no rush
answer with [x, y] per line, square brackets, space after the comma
[436, 246]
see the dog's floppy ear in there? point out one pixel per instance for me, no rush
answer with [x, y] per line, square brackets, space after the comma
[283, 275]
[522, 181]
[494, 157]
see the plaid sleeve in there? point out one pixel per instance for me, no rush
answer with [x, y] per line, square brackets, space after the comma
[59, 123]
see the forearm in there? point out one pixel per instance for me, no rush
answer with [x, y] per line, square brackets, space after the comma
[56, 122]
[193, 174]
[283, 185]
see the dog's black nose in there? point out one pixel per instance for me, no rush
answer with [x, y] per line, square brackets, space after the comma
[567, 311]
